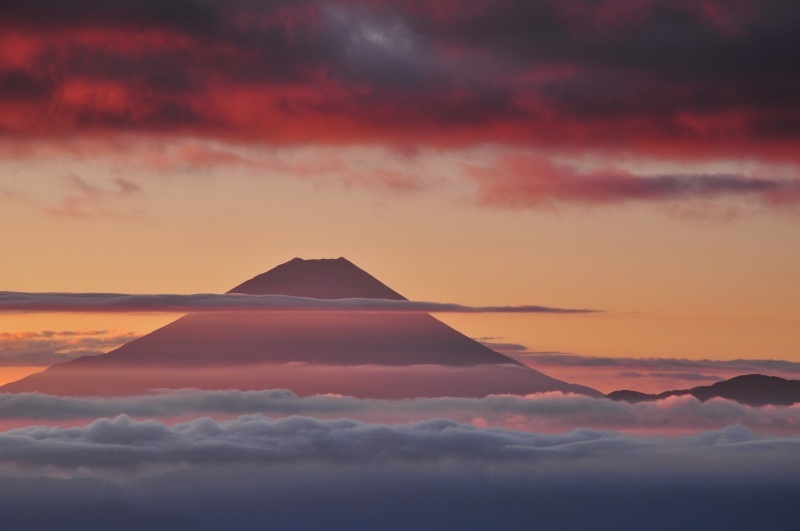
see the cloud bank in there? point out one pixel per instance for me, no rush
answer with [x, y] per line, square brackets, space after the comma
[300, 472]
[669, 78]
[200, 85]
[117, 302]
[125, 444]
[549, 411]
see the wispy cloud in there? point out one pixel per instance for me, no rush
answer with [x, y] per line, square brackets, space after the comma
[41, 349]
[555, 359]
[524, 181]
[87, 200]
[117, 302]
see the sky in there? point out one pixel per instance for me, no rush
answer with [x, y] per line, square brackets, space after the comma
[634, 157]
[640, 159]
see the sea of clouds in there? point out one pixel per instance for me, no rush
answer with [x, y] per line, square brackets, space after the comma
[269, 459]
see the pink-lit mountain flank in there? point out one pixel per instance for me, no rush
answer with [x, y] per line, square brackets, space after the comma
[366, 354]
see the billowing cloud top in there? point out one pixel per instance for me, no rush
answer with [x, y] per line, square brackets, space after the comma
[548, 411]
[116, 302]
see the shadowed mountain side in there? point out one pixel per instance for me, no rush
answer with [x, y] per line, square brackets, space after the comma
[250, 350]
[366, 381]
[319, 279]
[332, 338]
[750, 389]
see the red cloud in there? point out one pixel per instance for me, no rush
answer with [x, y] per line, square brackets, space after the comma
[656, 78]
[524, 181]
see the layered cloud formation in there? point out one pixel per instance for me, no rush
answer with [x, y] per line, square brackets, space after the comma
[548, 411]
[124, 444]
[206, 302]
[682, 81]
[657, 75]
[302, 472]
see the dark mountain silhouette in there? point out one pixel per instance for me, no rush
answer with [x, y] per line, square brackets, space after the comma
[749, 389]
[371, 354]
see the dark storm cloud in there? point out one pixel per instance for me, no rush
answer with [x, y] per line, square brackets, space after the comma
[664, 78]
[117, 302]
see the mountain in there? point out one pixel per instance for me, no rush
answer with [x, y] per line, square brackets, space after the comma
[366, 354]
[749, 389]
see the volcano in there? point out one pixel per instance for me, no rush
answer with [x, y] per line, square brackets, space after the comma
[358, 353]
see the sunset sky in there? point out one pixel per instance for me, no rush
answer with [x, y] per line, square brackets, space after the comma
[639, 158]
[607, 191]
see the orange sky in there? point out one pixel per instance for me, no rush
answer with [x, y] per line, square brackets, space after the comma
[672, 284]
[455, 154]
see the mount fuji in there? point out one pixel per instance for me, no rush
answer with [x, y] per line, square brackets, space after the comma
[359, 353]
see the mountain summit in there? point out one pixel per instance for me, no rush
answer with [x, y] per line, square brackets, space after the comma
[324, 278]
[359, 353]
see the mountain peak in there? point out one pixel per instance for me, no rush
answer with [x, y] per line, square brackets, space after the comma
[323, 278]
[365, 354]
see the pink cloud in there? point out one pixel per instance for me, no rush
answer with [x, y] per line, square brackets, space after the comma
[526, 181]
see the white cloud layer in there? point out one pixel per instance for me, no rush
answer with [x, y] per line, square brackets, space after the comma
[125, 444]
[310, 473]
[540, 411]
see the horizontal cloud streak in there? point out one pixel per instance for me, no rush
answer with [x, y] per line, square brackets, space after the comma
[41, 349]
[170, 303]
[542, 411]
[522, 181]
[649, 375]
[558, 359]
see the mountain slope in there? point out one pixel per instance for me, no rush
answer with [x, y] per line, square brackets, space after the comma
[376, 354]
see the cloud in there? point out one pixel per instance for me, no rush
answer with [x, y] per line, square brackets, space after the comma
[41, 349]
[88, 200]
[116, 302]
[305, 473]
[548, 411]
[555, 359]
[690, 376]
[657, 77]
[523, 181]
[125, 444]
[650, 375]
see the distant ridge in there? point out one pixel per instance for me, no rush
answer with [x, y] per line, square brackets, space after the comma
[359, 353]
[749, 389]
